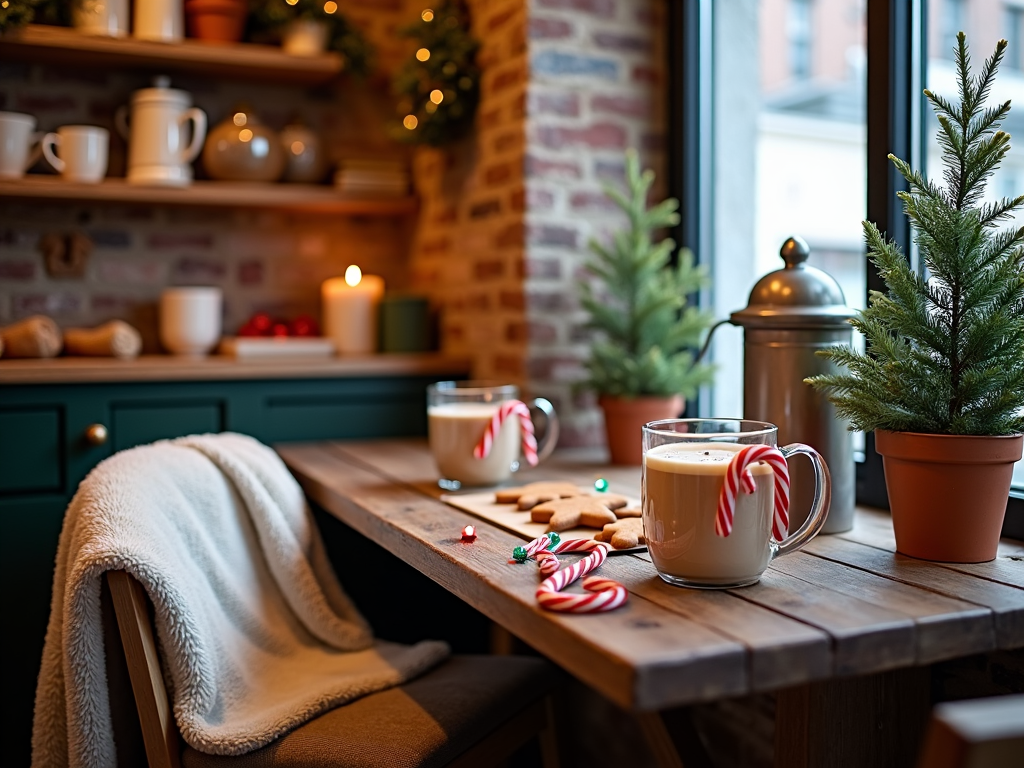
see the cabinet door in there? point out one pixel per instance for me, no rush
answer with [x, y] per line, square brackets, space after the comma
[140, 422]
[31, 458]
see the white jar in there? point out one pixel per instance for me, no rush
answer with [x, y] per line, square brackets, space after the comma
[107, 18]
[190, 320]
[159, 20]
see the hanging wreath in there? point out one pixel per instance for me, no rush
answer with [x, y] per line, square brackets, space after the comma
[270, 17]
[438, 89]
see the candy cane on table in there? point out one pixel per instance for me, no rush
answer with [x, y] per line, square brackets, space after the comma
[605, 594]
[506, 409]
[735, 476]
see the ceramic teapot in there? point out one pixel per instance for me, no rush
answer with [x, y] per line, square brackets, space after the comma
[157, 151]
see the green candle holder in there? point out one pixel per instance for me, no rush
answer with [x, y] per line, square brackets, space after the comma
[404, 323]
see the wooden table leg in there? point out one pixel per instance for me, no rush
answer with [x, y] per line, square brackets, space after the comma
[876, 720]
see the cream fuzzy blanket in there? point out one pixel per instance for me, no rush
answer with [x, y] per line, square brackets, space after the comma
[256, 634]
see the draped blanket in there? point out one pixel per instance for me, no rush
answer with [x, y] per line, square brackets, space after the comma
[255, 632]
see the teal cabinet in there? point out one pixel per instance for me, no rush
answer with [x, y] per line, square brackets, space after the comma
[45, 453]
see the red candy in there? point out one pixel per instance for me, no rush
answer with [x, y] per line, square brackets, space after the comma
[469, 533]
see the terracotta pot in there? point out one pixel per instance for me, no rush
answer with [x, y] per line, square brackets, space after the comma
[216, 21]
[947, 492]
[623, 418]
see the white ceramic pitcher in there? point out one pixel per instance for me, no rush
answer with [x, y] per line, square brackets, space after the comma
[157, 150]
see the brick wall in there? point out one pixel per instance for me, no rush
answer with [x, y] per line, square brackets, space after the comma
[595, 89]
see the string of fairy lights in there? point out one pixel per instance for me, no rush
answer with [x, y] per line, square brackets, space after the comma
[438, 88]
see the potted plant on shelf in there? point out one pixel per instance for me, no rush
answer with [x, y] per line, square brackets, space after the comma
[641, 364]
[942, 382]
[308, 27]
[216, 21]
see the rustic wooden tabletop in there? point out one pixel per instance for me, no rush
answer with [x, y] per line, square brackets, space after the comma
[847, 607]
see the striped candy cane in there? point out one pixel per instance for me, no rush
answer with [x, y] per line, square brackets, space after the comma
[736, 476]
[605, 594]
[506, 409]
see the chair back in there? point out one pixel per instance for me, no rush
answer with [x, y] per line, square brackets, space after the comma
[978, 733]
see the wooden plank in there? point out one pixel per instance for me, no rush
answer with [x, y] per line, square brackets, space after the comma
[305, 198]
[81, 370]
[874, 528]
[61, 45]
[640, 656]
[945, 628]
[1005, 602]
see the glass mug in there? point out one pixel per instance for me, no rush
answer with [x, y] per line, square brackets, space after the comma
[458, 413]
[685, 462]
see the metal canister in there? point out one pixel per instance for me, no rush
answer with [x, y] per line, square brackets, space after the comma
[792, 313]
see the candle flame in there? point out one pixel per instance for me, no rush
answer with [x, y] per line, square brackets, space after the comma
[353, 275]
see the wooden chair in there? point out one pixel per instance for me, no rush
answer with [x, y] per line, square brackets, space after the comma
[978, 733]
[470, 711]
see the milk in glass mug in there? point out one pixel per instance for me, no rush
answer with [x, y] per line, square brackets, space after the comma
[686, 466]
[459, 413]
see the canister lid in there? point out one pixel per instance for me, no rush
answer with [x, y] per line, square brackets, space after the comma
[161, 91]
[797, 296]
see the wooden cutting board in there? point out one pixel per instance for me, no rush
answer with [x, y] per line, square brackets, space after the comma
[516, 521]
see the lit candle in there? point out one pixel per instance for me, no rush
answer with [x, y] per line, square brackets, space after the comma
[350, 311]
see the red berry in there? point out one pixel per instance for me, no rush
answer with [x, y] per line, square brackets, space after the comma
[279, 329]
[262, 322]
[304, 325]
[248, 330]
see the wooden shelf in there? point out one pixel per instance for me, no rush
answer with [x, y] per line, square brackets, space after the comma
[308, 198]
[63, 45]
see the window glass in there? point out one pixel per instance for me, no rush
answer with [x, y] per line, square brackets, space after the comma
[790, 156]
[984, 22]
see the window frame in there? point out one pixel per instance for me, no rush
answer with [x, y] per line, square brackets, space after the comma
[897, 59]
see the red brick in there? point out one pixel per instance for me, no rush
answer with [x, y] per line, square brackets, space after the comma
[510, 237]
[490, 118]
[484, 209]
[546, 301]
[550, 269]
[627, 106]
[498, 174]
[447, 215]
[54, 304]
[192, 270]
[20, 269]
[517, 200]
[543, 28]
[556, 368]
[499, 19]
[551, 234]
[642, 74]
[507, 141]
[509, 365]
[591, 201]
[507, 79]
[581, 436]
[584, 400]
[581, 333]
[455, 332]
[564, 103]
[605, 8]
[540, 199]
[488, 268]
[173, 240]
[250, 272]
[617, 42]
[113, 304]
[131, 272]
[554, 169]
[512, 300]
[543, 332]
[594, 136]
[436, 246]
[479, 302]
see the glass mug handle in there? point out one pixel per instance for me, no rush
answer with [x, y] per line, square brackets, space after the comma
[547, 445]
[819, 506]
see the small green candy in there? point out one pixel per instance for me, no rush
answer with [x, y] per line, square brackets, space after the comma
[519, 554]
[555, 539]
[600, 485]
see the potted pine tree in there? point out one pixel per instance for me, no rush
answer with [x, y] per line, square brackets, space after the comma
[641, 364]
[942, 381]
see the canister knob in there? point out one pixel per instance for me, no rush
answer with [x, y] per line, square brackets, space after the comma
[795, 252]
[96, 434]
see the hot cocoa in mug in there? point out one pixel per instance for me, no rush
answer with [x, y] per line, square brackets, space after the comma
[458, 415]
[684, 471]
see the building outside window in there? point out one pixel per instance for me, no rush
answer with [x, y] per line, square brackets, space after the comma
[800, 34]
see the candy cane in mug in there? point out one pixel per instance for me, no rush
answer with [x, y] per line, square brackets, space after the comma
[737, 475]
[506, 409]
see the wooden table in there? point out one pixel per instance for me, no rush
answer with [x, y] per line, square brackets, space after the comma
[843, 630]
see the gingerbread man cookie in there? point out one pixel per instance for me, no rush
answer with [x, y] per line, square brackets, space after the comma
[528, 496]
[630, 512]
[623, 534]
[563, 514]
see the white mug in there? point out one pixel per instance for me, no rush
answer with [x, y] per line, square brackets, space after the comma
[83, 152]
[190, 320]
[108, 18]
[19, 144]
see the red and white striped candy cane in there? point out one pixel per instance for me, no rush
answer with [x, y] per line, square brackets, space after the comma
[506, 409]
[605, 594]
[736, 475]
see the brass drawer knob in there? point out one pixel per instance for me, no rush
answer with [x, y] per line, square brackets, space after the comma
[96, 434]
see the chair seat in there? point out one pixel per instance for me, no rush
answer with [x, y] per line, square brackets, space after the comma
[422, 724]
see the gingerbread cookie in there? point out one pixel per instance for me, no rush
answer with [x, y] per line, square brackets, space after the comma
[630, 512]
[532, 494]
[623, 534]
[563, 514]
[612, 500]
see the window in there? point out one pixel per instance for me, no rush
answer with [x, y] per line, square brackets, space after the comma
[774, 132]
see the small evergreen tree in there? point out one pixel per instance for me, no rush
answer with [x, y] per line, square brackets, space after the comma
[646, 330]
[945, 354]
